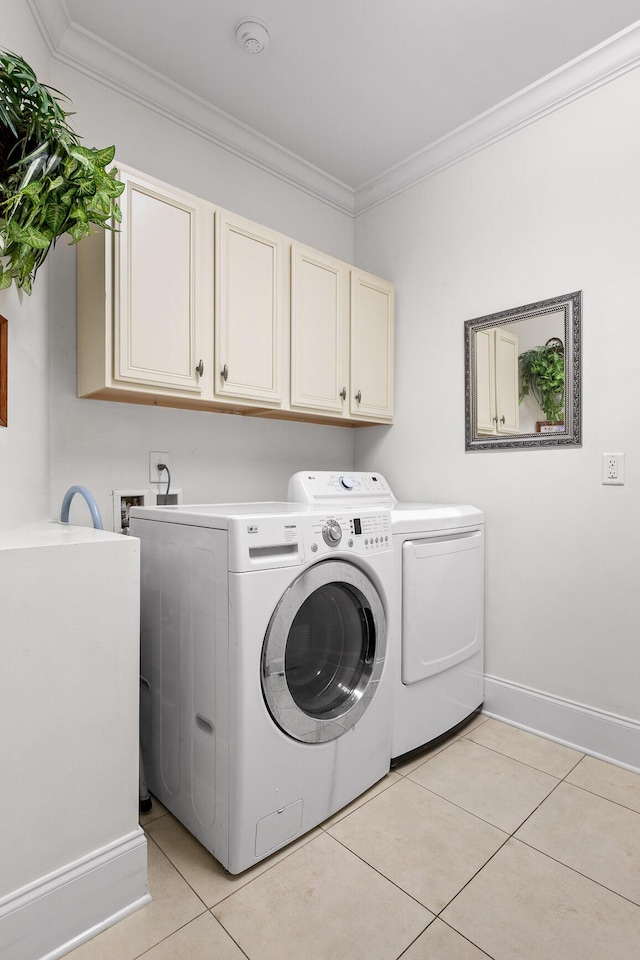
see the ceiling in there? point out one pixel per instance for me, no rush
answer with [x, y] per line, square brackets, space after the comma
[353, 100]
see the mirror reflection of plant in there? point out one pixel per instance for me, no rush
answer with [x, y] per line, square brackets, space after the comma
[542, 374]
[49, 183]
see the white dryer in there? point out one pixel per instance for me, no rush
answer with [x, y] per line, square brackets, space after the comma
[266, 701]
[436, 631]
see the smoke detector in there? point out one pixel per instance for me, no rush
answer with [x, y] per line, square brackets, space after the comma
[252, 34]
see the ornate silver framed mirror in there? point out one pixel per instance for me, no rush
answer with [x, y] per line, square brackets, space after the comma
[522, 376]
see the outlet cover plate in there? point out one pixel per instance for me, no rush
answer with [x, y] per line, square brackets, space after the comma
[156, 457]
[613, 469]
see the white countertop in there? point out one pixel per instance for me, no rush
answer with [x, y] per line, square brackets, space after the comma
[53, 534]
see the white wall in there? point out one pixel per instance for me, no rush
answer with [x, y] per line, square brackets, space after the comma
[552, 209]
[105, 445]
[214, 457]
[24, 443]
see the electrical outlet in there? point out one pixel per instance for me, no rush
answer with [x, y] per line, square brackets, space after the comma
[156, 457]
[613, 468]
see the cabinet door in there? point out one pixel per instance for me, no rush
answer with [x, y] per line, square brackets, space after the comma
[507, 382]
[156, 306]
[485, 382]
[372, 317]
[252, 274]
[319, 330]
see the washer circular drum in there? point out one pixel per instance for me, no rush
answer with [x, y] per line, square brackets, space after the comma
[324, 651]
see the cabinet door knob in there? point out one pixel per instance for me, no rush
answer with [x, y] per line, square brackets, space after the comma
[495, 419]
[343, 393]
[359, 396]
[502, 418]
[224, 373]
[200, 368]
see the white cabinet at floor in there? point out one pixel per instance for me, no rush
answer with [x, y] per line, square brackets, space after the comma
[372, 328]
[144, 304]
[319, 331]
[252, 306]
[497, 382]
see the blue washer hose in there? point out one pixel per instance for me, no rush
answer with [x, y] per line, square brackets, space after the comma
[91, 503]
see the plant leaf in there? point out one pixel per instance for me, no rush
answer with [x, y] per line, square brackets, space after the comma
[34, 238]
[87, 187]
[105, 156]
[55, 217]
[78, 231]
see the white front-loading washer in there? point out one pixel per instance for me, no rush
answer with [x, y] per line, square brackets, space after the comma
[266, 700]
[436, 631]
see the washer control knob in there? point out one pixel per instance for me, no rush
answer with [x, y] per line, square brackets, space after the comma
[348, 483]
[332, 533]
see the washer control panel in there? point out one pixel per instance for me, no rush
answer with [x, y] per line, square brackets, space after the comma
[288, 535]
[324, 486]
[367, 532]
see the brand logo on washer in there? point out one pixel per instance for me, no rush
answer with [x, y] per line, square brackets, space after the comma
[252, 528]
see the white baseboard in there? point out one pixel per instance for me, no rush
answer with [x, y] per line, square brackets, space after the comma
[599, 734]
[52, 916]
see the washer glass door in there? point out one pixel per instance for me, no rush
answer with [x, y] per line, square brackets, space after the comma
[323, 653]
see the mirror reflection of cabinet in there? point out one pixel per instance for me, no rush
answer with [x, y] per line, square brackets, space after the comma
[493, 346]
[497, 385]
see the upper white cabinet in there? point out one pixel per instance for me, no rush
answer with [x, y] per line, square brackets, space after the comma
[319, 331]
[497, 386]
[252, 281]
[191, 306]
[142, 295]
[372, 328]
[158, 306]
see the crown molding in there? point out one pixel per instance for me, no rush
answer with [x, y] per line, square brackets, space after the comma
[598, 66]
[52, 19]
[86, 53]
[93, 57]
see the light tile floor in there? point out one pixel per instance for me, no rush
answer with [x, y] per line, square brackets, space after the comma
[496, 843]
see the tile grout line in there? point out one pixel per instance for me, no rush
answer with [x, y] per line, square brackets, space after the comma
[577, 764]
[511, 836]
[489, 955]
[262, 872]
[359, 807]
[388, 879]
[408, 947]
[180, 874]
[524, 762]
[228, 933]
[477, 816]
[434, 754]
[585, 876]
[448, 925]
[442, 745]
[138, 956]
[466, 884]
[600, 796]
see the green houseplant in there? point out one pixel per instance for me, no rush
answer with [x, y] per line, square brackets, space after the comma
[49, 183]
[542, 374]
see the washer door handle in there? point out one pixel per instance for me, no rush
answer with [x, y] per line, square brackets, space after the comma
[370, 627]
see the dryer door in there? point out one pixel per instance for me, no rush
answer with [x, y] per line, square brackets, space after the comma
[323, 653]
